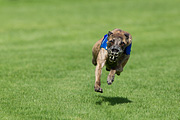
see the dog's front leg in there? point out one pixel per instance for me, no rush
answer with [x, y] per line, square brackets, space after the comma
[111, 76]
[101, 60]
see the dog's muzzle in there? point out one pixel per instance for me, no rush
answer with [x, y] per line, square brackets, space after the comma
[114, 52]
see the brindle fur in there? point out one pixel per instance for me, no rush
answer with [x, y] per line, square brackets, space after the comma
[100, 58]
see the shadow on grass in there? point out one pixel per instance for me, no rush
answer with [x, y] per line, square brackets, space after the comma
[113, 100]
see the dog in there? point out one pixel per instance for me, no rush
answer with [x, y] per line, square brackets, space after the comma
[112, 51]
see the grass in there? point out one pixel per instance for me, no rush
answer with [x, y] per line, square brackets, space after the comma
[45, 60]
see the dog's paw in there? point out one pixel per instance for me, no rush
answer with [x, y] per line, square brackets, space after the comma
[110, 80]
[118, 73]
[109, 83]
[107, 69]
[98, 90]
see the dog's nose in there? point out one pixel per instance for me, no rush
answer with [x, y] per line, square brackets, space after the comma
[115, 50]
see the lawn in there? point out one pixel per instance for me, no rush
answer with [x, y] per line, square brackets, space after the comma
[45, 60]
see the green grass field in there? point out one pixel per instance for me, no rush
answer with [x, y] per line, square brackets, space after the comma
[45, 60]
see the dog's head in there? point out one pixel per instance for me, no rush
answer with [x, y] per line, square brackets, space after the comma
[117, 42]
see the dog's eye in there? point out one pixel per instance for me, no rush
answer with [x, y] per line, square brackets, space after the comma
[122, 43]
[112, 41]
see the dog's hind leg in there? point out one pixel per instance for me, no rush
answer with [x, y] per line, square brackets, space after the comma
[122, 62]
[111, 76]
[119, 69]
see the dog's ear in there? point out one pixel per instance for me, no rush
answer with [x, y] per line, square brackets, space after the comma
[128, 38]
[127, 35]
[109, 33]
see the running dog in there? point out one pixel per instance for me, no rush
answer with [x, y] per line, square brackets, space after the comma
[112, 51]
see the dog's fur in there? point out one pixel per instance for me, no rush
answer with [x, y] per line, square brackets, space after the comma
[100, 58]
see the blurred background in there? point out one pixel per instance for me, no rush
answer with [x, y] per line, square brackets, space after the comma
[45, 59]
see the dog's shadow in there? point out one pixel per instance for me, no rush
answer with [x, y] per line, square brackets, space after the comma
[113, 100]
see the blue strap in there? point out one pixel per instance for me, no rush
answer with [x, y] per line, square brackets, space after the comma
[104, 42]
[128, 49]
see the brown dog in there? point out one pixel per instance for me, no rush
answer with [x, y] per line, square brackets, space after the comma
[113, 50]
